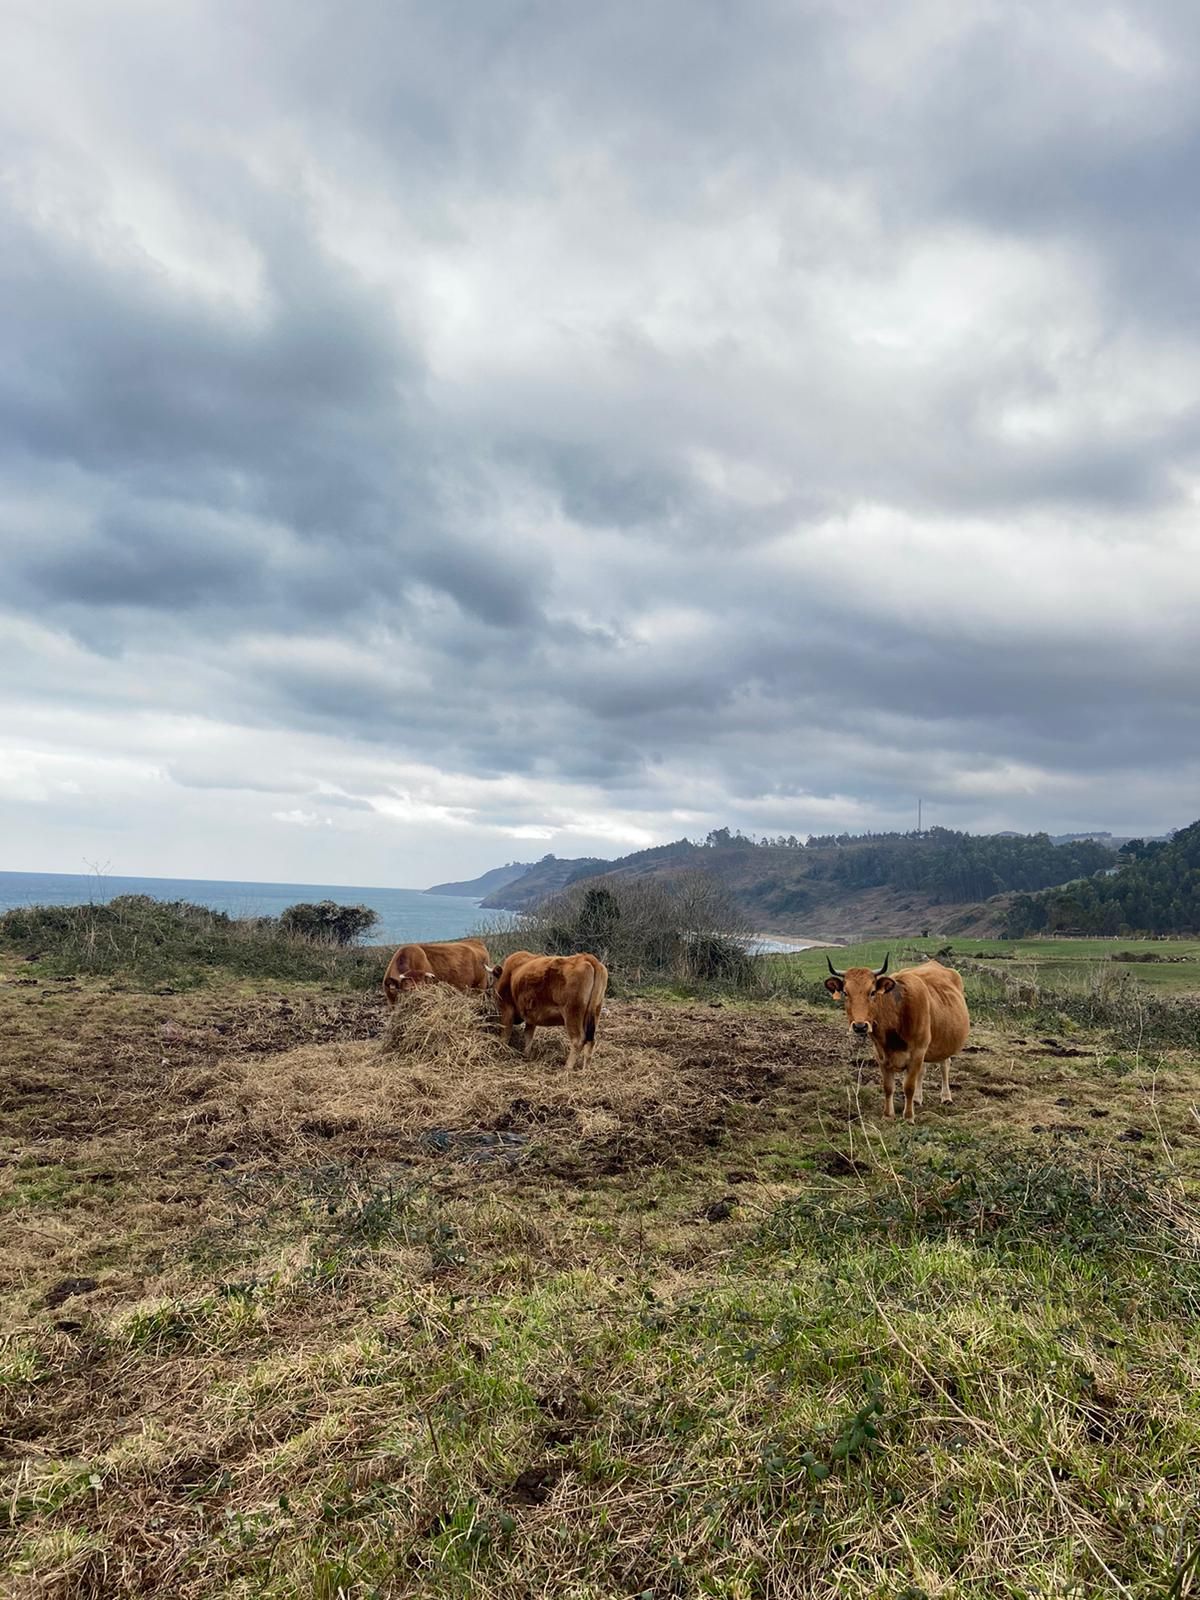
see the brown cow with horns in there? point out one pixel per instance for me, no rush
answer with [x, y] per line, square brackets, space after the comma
[462, 963]
[911, 1017]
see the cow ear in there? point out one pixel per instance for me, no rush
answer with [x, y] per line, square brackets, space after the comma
[497, 970]
[835, 985]
[884, 985]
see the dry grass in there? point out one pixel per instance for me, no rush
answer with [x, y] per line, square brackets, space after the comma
[380, 1308]
[439, 1076]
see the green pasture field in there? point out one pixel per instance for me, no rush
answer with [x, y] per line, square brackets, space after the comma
[1069, 962]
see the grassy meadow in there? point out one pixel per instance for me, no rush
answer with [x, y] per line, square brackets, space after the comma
[301, 1299]
[1167, 964]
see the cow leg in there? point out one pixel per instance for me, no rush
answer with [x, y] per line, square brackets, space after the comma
[529, 1029]
[912, 1085]
[919, 1095]
[947, 1097]
[889, 1089]
[589, 1034]
[507, 1017]
[574, 1027]
[575, 1022]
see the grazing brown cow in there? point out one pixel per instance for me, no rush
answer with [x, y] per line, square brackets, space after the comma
[460, 962]
[552, 992]
[912, 1017]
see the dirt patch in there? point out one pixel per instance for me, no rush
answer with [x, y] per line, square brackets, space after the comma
[439, 1081]
[67, 1290]
[532, 1487]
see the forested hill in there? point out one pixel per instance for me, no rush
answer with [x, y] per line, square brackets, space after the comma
[1156, 889]
[832, 883]
[476, 888]
[544, 878]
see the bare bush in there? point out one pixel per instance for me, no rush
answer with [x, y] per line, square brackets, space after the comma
[684, 929]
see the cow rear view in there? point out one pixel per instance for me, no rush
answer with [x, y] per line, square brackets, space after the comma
[552, 992]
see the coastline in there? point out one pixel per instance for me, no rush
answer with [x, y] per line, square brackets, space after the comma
[786, 944]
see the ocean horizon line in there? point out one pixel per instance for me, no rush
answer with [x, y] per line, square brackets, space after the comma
[160, 877]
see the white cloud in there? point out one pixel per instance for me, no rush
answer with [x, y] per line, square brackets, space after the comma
[706, 419]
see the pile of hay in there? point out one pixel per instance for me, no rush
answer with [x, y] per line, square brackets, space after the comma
[444, 1029]
[441, 1066]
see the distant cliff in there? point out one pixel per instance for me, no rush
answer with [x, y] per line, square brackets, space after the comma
[543, 878]
[486, 883]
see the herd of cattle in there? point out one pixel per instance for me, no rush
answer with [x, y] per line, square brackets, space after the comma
[909, 1018]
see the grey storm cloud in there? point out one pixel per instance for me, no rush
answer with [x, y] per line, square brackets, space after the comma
[645, 411]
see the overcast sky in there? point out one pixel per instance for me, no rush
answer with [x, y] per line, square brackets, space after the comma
[437, 434]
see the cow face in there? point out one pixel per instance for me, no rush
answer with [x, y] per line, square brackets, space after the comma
[414, 980]
[858, 988]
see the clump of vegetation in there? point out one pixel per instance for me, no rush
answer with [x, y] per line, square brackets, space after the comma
[326, 922]
[1003, 1202]
[174, 941]
[1116, 1003]
[685, 929]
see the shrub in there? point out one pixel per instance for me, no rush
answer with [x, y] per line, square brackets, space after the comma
[1114, 1002]
[327, 922]
[175, 941]
[683, 929]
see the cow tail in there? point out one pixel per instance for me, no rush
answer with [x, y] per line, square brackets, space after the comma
[595, 999]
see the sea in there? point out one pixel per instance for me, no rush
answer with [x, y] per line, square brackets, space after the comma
[404, 914]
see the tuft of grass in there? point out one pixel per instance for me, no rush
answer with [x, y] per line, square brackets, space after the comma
[1009, 1203]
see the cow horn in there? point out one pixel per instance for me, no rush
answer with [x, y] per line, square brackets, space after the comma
[833, 969]
[883, 968]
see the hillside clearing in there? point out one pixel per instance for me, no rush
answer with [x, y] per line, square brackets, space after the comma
[296, 1308]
